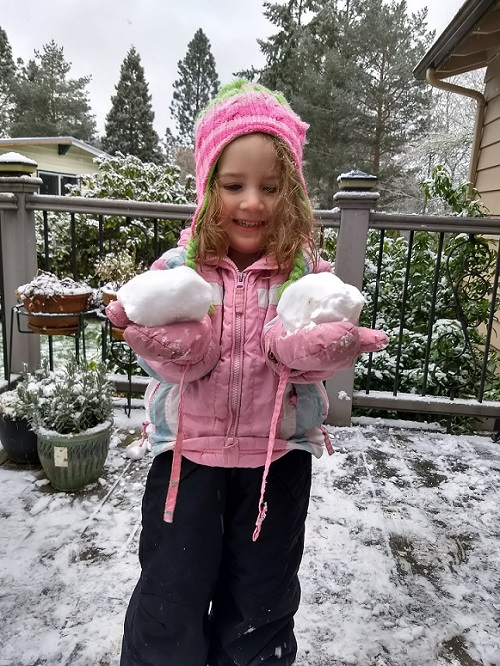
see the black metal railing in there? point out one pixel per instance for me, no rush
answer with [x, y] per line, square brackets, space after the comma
[442, 354]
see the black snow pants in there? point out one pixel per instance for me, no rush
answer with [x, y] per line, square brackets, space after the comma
[208, 595]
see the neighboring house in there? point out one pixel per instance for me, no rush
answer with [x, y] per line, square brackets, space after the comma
[60, 159]
[472, 41]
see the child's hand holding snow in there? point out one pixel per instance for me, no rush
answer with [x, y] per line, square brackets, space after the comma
[157, 298]
[165, 315]
[318, 298]
[317, 326]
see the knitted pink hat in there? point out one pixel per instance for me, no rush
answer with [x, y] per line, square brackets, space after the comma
[242, 108]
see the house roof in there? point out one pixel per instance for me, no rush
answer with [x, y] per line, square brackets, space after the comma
[467, 43]
[64, 143]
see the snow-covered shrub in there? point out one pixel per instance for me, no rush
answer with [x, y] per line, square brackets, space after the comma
[117, 268]
[445, 331]
[461, 200]
[127, 177]
[66, 400]
[48, 284]
[10, 405]
[119, 177]
[53, 231]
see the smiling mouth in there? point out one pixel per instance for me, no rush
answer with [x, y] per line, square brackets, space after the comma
[248, 224]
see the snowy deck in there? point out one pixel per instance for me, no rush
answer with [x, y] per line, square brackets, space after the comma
[402, 564]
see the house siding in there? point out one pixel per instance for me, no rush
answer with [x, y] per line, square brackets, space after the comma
[488, 168]
[75, 162]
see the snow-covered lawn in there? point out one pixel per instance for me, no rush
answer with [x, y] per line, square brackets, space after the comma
[402, 562]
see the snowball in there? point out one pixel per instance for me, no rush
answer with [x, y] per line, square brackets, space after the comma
[318, 298]
[157, 298]
[136, 450]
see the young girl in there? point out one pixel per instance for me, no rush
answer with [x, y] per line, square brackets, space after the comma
[235, 404]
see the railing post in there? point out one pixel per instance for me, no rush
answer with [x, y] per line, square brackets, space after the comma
[18, 258]
[355, 199]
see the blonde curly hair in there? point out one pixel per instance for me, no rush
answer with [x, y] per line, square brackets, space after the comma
[288, 234]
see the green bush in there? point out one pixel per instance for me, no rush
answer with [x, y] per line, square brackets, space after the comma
[459, 268]
[119, 177]
[66, 400]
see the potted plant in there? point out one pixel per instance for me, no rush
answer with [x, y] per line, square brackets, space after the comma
[70, 409]
[47, 294]
[114, 269]
[18, 439]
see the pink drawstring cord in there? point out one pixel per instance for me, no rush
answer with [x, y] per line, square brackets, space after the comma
[175, 472]
[143, 433]
[284, 377]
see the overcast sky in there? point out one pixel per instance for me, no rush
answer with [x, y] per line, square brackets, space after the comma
[96, 35]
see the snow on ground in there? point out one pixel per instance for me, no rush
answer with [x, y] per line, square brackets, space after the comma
[402, 565]
[402, 562]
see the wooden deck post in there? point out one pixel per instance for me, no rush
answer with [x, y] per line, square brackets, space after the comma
[355, 199]
[18, 258]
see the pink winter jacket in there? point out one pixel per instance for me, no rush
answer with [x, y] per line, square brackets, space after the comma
[230, 366]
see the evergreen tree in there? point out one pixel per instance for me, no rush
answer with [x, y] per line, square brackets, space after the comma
[129, 123]
[7, 79]
[346, 68]
[285, 51]
[387, 43]
[169, 146]
[197, 84]
[47, 102]
[305, 61]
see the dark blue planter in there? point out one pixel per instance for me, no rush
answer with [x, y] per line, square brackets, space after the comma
[19, 441]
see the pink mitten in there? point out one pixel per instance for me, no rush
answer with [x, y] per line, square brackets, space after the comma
[328, 346]
[116, 314]
[183, 342]
[371, 340]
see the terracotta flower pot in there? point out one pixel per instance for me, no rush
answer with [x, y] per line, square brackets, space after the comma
[107, 297]
[58, 304]
[117, 333]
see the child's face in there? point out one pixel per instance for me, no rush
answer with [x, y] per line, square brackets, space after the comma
[247, 175]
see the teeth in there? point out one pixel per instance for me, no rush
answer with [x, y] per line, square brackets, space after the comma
[244, 223]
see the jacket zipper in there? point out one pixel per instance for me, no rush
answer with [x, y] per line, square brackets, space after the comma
[239, 297]
[324, 396]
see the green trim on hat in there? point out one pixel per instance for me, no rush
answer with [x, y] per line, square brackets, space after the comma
[204, 203]
[239, 87]
[191, 248]
[298, 270]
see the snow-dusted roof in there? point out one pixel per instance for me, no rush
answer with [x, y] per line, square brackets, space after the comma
[466, 43]
[52, 140]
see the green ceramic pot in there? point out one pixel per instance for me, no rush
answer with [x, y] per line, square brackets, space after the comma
[73, 461]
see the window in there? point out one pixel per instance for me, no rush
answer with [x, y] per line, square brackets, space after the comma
[55, 183]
